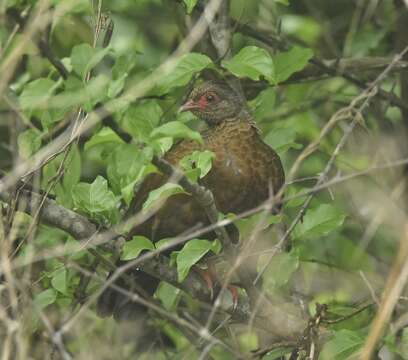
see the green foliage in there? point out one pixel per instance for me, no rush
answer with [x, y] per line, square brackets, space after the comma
[248, 341]
[176, 130]
[59, 280]
[120, 72]
[263, 105]
[84, 58]
[168, 295]
[276, 354]
[140, 120]
[279, 270]
[127, 164]
[69, 168]
[104, 136]
[37, 93]
[282, 139]
[320, 221]
[187, 66]
[45, 298]
[96, 200]
[341, 234]
[342, 346]
[197, 164]
[135, 246]
[161, 194]
[283, 2]
[190, 4]
[29, 142]
[306, 28]
[191, 253]
[252, 62]
[290, 62]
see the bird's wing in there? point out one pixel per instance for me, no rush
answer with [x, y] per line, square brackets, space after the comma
[155, 180]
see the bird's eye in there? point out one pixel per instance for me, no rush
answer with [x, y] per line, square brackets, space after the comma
[210, 98]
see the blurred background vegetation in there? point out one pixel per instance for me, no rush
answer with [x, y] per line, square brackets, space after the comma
[342, 249]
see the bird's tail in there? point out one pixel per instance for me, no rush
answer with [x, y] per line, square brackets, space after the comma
[116, 299]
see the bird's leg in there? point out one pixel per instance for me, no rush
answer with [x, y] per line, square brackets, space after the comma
[208, 276]
[234, 294]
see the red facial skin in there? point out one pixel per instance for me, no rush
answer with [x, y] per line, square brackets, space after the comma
[201, 104]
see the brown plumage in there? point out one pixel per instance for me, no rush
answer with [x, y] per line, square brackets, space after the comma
[244, 172]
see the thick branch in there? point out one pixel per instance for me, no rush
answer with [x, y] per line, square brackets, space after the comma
[53, 214]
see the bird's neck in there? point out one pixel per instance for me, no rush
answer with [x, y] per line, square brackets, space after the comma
[242, 116]
[243, 120]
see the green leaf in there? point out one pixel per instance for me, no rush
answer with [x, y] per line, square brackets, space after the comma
[199, 160]
[59, 280]
[120, 72]
[283, 2]
[190, 4]
[95, 91]
[176, 130]
[71, 175]
[162, 145]
[103, 136]
[97, 200]
[306, 28]
[134, 247]
[279, 270]
[252, 62]
[78, 93]
[187, 66]
[342, 345]
[282, 139]
[277, 354]
[84, 58]
[161, 194]
[248, 341]
[319, 221]
[72, 170]
[37, 93]
[168, 295]
[264, 104]
[140, 120]
[71, 247]
[290, 62]
[246, 225]
[29, 142]
[126, 166]
[293, 191]
[190, 254]
[123, 65]
[368, 37]
[45, 298]
[49, 117]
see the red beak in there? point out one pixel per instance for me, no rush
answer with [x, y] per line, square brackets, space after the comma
[188, 105]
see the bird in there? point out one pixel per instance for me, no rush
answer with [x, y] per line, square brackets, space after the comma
[244, 172]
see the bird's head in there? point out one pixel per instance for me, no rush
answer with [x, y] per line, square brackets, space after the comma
[213, 102]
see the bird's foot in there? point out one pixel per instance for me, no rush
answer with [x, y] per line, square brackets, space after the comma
[208, 277]
[235, 296]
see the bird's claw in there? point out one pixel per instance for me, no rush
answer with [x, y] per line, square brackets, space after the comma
[235, 296]
[208, 278]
